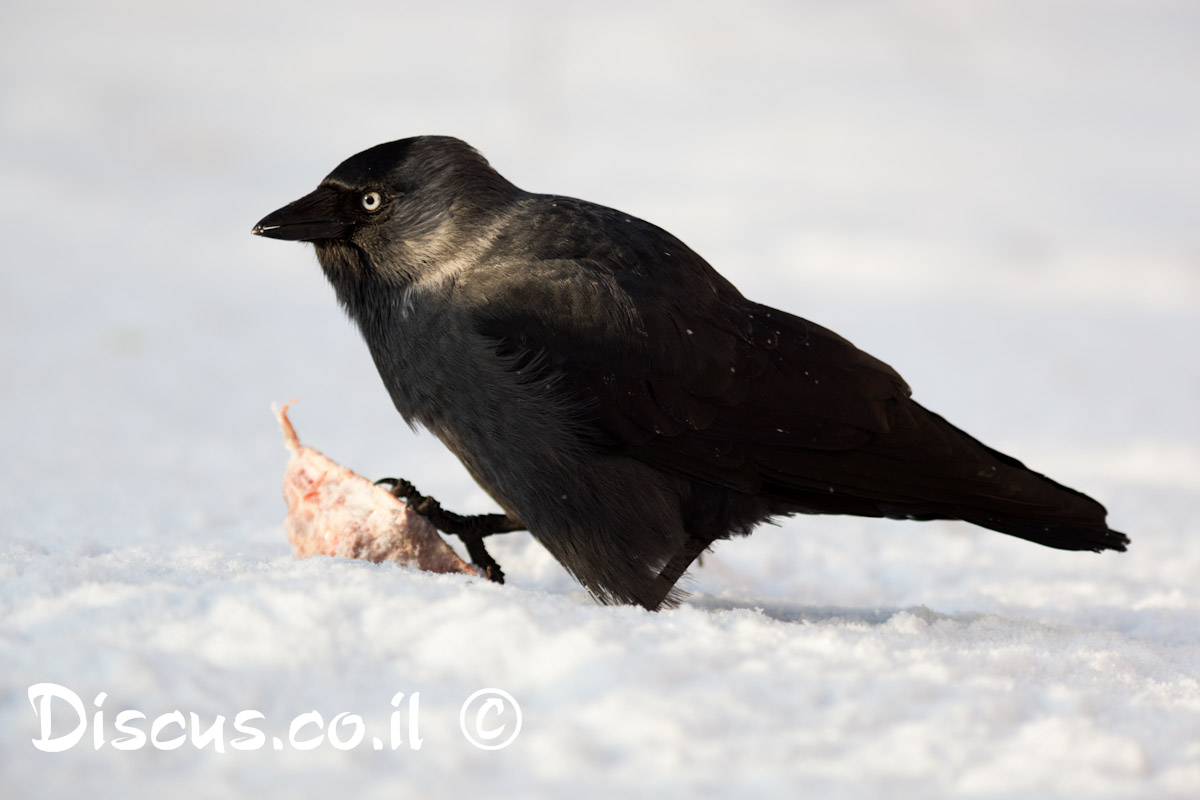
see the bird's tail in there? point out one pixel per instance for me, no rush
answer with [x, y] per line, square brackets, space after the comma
[1071, 521]
[1021, 502]
[925, 468]
[1063, 537]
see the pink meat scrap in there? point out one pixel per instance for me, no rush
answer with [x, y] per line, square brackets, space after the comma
[335, 512]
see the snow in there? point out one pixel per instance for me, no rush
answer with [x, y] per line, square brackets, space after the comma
[998, 198]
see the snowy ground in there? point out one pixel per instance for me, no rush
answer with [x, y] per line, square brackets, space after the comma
[997, 198]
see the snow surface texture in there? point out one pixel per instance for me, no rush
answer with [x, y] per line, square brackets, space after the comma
[998, 198]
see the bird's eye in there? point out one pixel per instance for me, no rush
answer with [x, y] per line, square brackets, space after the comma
[371, 201]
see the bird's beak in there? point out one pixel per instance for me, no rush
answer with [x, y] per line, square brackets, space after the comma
[315, 216]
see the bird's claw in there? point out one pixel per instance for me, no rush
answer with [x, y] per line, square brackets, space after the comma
[470, 529]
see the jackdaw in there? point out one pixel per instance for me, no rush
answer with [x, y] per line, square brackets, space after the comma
[617, 396]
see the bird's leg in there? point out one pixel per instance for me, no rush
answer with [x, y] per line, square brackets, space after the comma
[673, 570]
[470, 529]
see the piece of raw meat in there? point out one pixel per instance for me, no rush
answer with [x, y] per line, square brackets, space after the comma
[335, 512]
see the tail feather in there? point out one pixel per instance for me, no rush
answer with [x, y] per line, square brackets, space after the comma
[1057, 535]
[1021, 502]
[926, 468]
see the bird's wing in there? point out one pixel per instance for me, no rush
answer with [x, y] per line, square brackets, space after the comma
[673, 366]
[669, 364]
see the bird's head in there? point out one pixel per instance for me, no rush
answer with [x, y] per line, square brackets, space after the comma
[394, 206]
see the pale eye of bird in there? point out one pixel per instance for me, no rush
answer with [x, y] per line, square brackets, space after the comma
[371, 201]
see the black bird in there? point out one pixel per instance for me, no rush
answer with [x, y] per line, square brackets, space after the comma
[615, 394]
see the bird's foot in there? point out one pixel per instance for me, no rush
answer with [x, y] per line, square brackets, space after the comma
[662, 595]
[470, 529]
